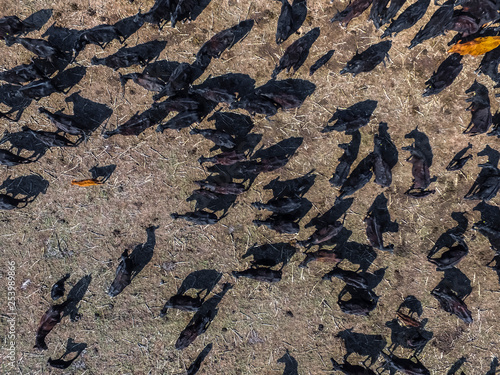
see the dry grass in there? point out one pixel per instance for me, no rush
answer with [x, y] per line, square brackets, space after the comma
[154, 176]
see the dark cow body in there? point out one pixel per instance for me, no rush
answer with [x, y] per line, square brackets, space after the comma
[235, 188]
[321, 61]
[320, 256]
[453, 256]
[49, 320]
[127, 56]
[123, 275]
[134, 126]
[280, 205]
[348, 369]
[323, 234]
[351, 119]
[57, 290]
[374, 234]
[354, 279]
[359, 177]
[450, 302]
[480, 108]
[50, 139]
[11, 25]
[406, 366]
[197, 217]
[361, 303]
[39, 47]
[21, 74]
[420, 172]
[354, 9]
[224, 158]
[260, 273]
[9, 203]
[408, 18]
[439, 22]
[182, 302]
[279, 224]
[193, 330]
[367, 60]
[101, 35]
[216, 136]
[444, 75]
[65, 123]
[296, 53]
[144, 80]
[9, 159]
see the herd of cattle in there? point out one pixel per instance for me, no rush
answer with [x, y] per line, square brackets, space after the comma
[236, 165]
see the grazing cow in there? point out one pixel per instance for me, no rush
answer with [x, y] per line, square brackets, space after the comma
[367, 60]
[260, 274]
[408, 18]
[123, 275]
[49, 320]
[296, 53]
[354, 9]
[450, 302]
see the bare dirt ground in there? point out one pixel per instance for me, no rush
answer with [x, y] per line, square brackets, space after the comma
[155, 174]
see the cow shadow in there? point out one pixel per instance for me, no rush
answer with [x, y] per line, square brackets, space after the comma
[332, 215]
[222, 202]
[198, 9]
[291, 365]
[209, 307]
[88, 113]
[285, 148]
[291, 188]
[29, 187]
[143, 253]
[388, 149]
[448, 238]
[414, 338]
[75, 295]
[232, 123]
[298, 88]
[270, 255]
[351, 119]
[62, 37]
[365, 345]
[25, 141]
[456, 366]
[71, 347]
[356, 253]
[68, 78]
[128, 26]
[413, 305]
[421, 143]
[195, 366]
[203, 280]
[493, 367]
[13, 98]
[102, 173]
[456, 281]
[161, 69]
[379, 210]
[347, 159]
[37, 20]
[233, 83]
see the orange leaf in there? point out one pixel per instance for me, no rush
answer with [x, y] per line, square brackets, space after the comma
[478, 46]
[89, 182]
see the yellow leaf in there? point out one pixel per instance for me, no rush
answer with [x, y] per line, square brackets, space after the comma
[478, 46]
[89, 182]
